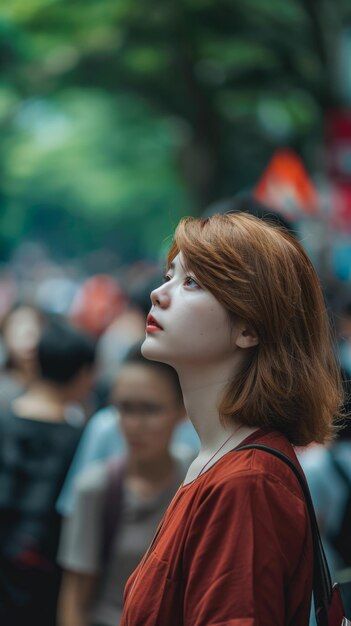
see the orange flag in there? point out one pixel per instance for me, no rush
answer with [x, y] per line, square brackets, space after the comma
[286, 186]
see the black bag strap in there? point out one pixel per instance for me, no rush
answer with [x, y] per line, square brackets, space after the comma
[322, 583]
[116, 469]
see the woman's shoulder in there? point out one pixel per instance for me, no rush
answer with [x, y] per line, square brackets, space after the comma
[258, 468]
[250, 485]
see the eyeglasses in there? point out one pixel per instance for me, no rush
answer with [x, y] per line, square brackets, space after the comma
[151, 414]
[144, 409]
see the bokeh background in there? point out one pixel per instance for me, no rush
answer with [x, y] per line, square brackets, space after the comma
[118, 117]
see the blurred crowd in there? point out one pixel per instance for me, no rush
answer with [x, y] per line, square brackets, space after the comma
[94, 442]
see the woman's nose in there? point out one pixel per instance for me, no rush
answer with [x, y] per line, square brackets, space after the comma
[160, 296]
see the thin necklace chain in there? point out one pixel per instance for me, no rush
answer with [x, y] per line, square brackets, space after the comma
[219, 449]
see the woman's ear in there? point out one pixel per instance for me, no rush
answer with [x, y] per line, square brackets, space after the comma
[247, 337]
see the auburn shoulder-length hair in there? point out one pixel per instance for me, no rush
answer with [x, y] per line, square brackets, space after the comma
[262, 275]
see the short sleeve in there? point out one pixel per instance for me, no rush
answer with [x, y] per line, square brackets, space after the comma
[101, 439]
[81, 535]
[243, 550]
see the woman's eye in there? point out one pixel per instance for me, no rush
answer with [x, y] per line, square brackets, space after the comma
[191, 282]
[166, 278]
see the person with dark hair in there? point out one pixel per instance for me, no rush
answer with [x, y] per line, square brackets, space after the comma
[20, 332]
[37, 443]
[241, 318]
[64, 353]
[133, 491]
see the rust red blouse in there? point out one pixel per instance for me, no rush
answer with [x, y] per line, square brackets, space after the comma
[234, 549]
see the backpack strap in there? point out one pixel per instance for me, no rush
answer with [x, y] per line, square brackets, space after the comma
[116, 469]
[322, 584]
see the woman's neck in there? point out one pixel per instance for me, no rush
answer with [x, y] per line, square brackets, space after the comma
[202, 392]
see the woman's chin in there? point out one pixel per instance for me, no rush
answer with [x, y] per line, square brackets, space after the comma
[150, 350]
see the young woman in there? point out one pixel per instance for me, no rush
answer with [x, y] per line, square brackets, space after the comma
[241, 318]
[118, 507]
[20, 333]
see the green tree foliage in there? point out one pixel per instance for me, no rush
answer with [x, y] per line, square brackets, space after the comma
[120, 116]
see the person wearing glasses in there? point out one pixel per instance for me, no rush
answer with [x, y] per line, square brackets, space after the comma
[241, 318]
[134, 493]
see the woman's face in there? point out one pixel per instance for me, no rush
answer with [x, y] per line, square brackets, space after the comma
[190, 326]
[149, 410]
[21, 336]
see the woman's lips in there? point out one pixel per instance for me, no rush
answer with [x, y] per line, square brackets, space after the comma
[152, 325]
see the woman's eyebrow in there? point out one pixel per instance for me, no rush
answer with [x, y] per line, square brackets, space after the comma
[171, 267]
